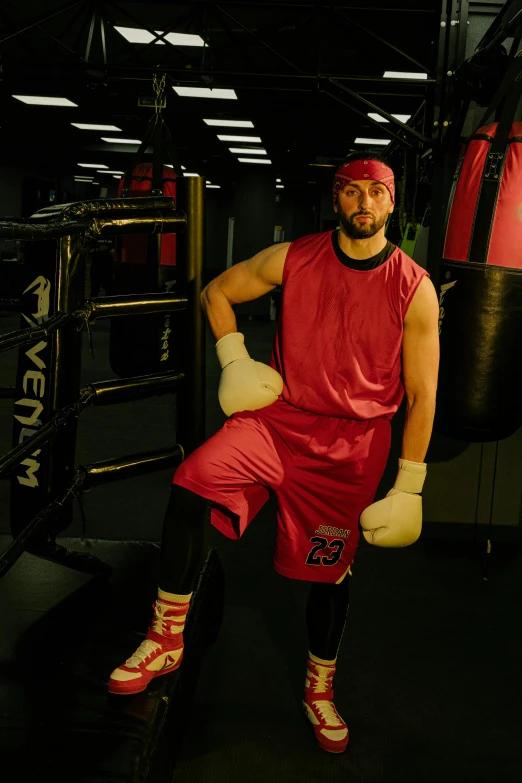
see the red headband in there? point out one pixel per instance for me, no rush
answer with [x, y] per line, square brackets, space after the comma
[364, 169]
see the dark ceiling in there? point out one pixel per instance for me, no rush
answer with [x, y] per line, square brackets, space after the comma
[297, 69]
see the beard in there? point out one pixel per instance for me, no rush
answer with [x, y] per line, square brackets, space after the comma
[360, 230]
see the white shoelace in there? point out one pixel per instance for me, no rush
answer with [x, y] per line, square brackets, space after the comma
[327, 712]
[144, 650]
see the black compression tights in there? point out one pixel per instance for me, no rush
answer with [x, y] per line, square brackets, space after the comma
[183, 551]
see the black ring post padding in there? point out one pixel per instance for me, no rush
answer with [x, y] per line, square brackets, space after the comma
[132, 304]
[38, 231]
[45, 433]
[140, 387]
[156, 223]
[100, 206]
[130, 466]
[19, 545]
[25, 336]
[159, 223]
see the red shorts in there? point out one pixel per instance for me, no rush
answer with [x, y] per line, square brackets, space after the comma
[323, 470]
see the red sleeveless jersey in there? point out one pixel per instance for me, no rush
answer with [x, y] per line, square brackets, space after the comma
[338, 343]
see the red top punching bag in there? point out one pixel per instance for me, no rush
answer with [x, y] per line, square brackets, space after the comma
[480, 287]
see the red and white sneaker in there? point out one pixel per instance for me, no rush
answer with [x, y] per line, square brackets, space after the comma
[161, 652]
[329, 728]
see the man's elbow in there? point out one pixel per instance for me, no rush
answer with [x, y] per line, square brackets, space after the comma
[422, 398]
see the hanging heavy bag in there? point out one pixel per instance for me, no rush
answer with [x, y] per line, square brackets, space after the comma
[480, 281]
[145, 344]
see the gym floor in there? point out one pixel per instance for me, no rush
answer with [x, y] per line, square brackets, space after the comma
[429, 668]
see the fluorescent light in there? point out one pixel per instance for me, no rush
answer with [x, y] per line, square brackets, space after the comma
[112, 171]
[87, 126]
[205, 92]
[230, 123]
[138, 35]
[93, 165]
[95, 183]
[382, 142]
[404, 75]
[253, 139]
[83, 179]
[213, 186]
[190, 174]
[121, 141]
[278, 180]
[324, 165]
[116, 176]
[208, 182]
[243, 150]
[41, 100]
[254, 160]
[168, 165]
[280, 186]
[378, 118]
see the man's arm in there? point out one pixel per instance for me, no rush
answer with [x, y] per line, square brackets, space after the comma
[241, 283]
[420, 366]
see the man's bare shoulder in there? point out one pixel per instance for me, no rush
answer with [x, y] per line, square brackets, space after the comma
[424, 306]
[269, 263]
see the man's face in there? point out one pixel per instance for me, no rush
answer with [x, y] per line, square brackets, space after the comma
[363, 208]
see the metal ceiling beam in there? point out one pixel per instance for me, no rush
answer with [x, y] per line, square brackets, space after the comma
[40, 21]
[260, 40]
[413, 134]
[503, 26]
[297, 4]
[37, 25]
[338, 15]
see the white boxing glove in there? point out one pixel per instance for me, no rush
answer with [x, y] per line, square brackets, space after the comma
[245, 385]
[396, 520]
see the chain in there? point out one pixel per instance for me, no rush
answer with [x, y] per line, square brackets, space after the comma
[159, 89]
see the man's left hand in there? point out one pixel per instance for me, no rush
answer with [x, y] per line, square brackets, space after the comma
[396, 521]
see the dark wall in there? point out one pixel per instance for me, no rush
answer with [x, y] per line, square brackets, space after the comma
[255, 217]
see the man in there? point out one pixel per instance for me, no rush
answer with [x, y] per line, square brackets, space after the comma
[358, 328]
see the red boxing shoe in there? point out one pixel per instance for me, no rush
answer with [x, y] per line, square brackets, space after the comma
[161, 652]
[329, 728]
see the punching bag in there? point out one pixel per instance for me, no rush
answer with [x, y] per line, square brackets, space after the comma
[480, 290]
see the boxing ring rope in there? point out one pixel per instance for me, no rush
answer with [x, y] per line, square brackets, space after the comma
[52, 473]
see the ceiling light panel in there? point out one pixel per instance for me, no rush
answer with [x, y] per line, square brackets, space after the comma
[404, 75]
[380, 142]
[140, 36]
[89, 126]
[230, 123]
[378, 118]
[205, 92]
[254, 160]
[247, 151]
[41, 100]
[120, 141]
[252, 139]
[93, 166]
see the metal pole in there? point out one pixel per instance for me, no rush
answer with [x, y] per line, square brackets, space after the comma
[191, 398]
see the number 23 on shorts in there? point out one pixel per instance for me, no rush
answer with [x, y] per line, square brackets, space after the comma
[320, 544]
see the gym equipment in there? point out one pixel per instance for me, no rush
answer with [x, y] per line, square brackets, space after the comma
[480, 281]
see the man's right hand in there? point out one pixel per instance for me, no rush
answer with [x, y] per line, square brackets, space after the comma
[245, 385]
